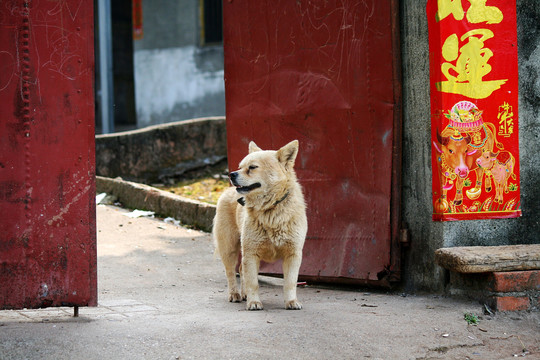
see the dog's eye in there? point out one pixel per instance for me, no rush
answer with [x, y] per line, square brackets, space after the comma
[252, 167]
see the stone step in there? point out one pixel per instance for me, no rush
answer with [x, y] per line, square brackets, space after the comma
[481, 259]
[506, 278]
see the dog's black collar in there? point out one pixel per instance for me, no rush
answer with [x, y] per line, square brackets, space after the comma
[242, 201]
[283, 198]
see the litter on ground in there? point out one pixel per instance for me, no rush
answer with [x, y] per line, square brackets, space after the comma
[139, 213]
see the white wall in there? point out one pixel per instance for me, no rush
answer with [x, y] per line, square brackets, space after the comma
[169, 86]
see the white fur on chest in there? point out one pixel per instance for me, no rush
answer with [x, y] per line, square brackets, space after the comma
[272, 236]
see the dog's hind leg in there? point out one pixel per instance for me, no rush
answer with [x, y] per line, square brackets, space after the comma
[291, 268]
[227, 239]
[230, 259]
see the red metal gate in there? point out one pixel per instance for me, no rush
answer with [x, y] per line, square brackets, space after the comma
[326, 73]
[47, 182]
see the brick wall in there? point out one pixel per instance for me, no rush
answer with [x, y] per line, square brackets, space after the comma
[502, 291]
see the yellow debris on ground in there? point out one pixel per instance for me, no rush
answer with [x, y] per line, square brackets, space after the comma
[206, 189]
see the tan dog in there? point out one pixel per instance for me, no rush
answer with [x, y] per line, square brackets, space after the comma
[265, 218]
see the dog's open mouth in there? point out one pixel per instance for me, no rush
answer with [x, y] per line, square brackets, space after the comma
[246, 189]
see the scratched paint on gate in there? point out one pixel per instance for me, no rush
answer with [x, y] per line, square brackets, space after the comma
[47, 191]
[322, 73]
[474, 109]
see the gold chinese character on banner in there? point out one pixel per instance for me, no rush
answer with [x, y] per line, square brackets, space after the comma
[506, 120]
[447, 7]
[478, 11]
[467, 65]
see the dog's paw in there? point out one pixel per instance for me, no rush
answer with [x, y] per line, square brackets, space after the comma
[293, 305]
[235, 297]
[254, 305]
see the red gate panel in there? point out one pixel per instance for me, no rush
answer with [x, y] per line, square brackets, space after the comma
[47, 186]
[325, 73]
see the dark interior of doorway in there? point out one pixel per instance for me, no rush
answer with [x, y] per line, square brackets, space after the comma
[122, 62]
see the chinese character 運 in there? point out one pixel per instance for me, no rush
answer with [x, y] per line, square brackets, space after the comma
[471, 65]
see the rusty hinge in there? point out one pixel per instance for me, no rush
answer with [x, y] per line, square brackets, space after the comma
[404, 237]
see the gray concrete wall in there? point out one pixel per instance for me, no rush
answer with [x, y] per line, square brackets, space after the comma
[175, 77]
[420, 270]
[160, 152]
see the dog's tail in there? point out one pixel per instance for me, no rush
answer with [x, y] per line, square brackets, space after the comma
[214, 240]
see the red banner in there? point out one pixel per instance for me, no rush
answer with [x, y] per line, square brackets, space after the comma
[474, 109]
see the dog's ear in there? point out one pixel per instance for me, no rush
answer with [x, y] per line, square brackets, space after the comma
[287, 154]
[253, 147]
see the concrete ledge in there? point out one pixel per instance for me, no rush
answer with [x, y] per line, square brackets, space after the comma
[163, 203]
[481, 259]
[151, 154]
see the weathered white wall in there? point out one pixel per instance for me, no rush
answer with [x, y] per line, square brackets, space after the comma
[175, 77]
[169, 86]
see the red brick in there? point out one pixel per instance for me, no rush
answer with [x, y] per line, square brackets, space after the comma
[511, 303]
[515, 281]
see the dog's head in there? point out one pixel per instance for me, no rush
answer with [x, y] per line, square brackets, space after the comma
[265, 172]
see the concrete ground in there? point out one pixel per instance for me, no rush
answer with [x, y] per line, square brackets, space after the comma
[162, 295]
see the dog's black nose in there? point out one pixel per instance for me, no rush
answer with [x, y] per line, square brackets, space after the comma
[233, 175]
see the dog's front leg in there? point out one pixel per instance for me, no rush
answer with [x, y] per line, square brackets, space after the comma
[250, 282]
[291, 268]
